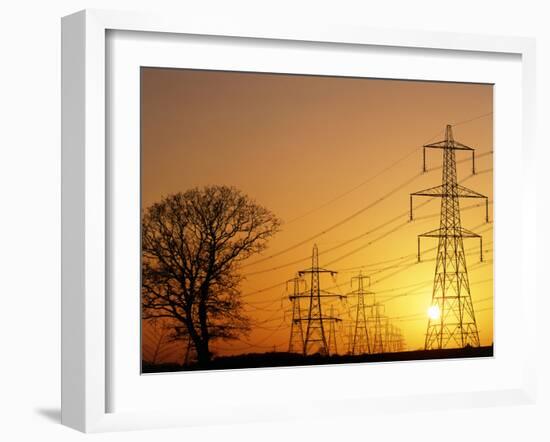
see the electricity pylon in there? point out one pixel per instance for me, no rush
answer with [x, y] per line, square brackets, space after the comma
[388, 330]
[315, 320]
[397, 341]
[332, 347]
[360, 340]
[452, 322]
[296, 342]
[349, 338]
[375, 309]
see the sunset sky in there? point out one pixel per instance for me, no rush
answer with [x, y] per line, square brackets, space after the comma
[316, 150]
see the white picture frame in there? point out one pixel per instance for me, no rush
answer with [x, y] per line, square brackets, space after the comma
[85, 210]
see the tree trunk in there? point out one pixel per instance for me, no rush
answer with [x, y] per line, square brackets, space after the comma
[199, 342]
[203, 354]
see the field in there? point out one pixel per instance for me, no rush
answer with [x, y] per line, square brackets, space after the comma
[280, 359]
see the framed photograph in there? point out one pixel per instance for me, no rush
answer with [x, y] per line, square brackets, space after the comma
[250, 211]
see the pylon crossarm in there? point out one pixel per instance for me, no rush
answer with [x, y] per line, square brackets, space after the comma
[360, 292]
[431, 191]
[436, 191]
[322, 295]
[327, 293]
[449, 144]
[303, 272]
[455, 145]
[464, 192]
[444, 236]
[458, 145]
[431, 234]
[468, 234]
[436, 233]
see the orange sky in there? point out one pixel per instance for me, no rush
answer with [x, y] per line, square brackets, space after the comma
[315, 150]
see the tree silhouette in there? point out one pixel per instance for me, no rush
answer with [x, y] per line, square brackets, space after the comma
[192, 244]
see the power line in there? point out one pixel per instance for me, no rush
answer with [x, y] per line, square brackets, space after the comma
[280, 284]
[358, 186]
[336, 225]
[413, 292]
[258, 344]
[380, 238]
[347, 242]
[384, 269]
[342, 244]
[422, 316]
[472, 119]
[362, 235]
[265, 289]
[407, 267]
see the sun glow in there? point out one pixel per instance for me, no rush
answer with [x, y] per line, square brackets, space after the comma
[433, 312]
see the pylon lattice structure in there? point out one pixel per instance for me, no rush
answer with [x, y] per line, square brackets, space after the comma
[376, 316]
[332, 347]
[315, 336]
[349, 338]
[393, 341]
[453, 323]
[296, 343]
[359, 334]
[397, 340]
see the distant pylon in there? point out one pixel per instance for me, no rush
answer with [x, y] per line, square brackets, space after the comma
[452, 321]
[315, 335]
[360, 340]
[332, 347]
[387, 336]
[349, 338]
[377, 345]
[296, 342]
[398, 340]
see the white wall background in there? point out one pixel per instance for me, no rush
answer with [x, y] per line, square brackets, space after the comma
[30, 215]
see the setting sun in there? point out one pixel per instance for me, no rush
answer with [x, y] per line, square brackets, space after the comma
[433, 312]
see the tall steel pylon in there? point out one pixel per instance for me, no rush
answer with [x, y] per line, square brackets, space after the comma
[452, 321]
[360, 339]
[296, 342]
[316, 320]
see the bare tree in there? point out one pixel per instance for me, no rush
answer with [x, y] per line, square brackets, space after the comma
[192, 244]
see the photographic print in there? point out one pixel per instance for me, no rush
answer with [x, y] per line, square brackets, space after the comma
[294, 220]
